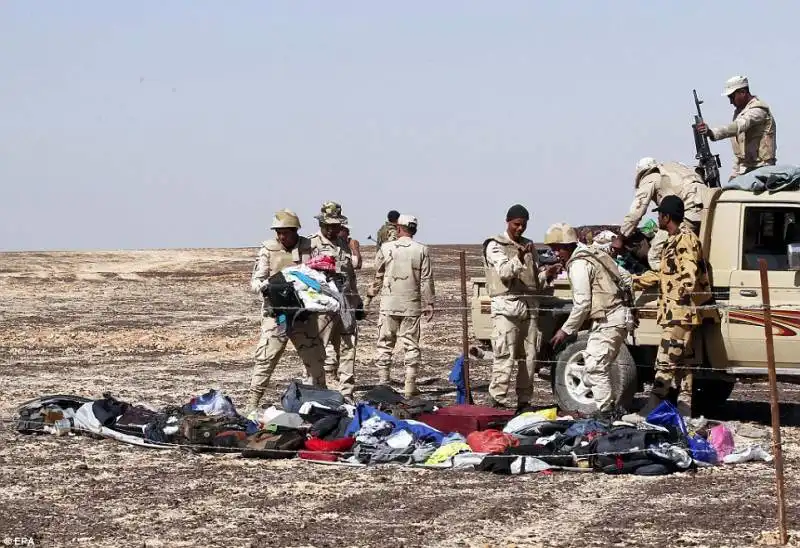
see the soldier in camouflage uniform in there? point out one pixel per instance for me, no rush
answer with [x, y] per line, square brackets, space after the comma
[513, 280]
[752, 131]
[339, 330]
[683, 284]
[404, 276]
[654, 180]
[388, 232]
[286, 249]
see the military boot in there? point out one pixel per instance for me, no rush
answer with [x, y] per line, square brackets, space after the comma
[252, 402]
[410, 390]
[384, 375]
[653, 401]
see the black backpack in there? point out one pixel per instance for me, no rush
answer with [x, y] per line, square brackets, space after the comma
[625, 451]
[284, 301]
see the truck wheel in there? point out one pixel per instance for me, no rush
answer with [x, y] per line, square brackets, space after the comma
[710, 394]
[573, 395]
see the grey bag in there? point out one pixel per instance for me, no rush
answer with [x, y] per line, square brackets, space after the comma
[297, 394]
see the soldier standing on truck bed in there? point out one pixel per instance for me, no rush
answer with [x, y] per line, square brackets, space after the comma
[513, 279]
[683, 286]
[286, 249]
[653, 181]
[403, 275]
[752, 131]
[599, 293]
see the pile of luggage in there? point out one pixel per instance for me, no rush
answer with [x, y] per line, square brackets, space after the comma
[317, 425]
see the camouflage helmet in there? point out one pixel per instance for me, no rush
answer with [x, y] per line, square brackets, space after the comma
[560, 234]
[331, 214]
[285, 218]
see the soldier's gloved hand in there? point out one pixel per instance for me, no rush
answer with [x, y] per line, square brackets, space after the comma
[263, 286]
[367, 301]
[428, 313]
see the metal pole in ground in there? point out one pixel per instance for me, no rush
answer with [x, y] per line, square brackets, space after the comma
[773, 404]
[462, 258]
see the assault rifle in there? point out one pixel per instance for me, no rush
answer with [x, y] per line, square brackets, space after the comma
[708, 164]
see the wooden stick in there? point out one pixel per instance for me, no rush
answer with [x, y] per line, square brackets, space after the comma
[462, 257]
[773, 404]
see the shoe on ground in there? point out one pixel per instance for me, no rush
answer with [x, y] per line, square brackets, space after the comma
[496, 404]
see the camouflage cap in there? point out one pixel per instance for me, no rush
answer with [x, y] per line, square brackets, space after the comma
[560, 234]
[331, 214]
[285, 218]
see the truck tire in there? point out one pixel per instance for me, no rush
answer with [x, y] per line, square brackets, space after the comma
[568, 388]
[708, 395]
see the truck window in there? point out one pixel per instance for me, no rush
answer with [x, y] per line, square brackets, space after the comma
[767, 230]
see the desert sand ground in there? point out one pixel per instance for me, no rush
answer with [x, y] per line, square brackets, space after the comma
[159, 327]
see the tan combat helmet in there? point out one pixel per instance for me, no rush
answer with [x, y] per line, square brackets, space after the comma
[560, 234]
[331, 214]
[285, 218]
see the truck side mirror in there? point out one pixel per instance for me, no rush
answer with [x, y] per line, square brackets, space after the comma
[793, 256]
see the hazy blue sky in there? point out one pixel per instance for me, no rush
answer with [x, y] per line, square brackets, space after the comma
[145, 124]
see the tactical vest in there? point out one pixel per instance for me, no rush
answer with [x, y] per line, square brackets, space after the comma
[607, 293]
[756, 146]
[526, 283]
[338, 249]
[279, 258]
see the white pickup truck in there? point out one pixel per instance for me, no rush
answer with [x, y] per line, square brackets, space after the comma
[738, 227]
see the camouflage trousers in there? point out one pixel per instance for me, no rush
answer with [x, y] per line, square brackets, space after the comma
[340, 350]
[272, 344]
[660, 240]
[407, 330]
[515, 343]
[673, 352]
[602, 349]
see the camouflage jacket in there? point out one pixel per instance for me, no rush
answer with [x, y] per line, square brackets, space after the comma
[403, 274]
[682, 281]
[386, 233]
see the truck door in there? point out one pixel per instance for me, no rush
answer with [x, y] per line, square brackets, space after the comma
[766, 229]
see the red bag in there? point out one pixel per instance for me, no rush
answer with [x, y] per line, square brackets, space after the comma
[333, 446]
[317, 455]
[491, 441]
[466, 419]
